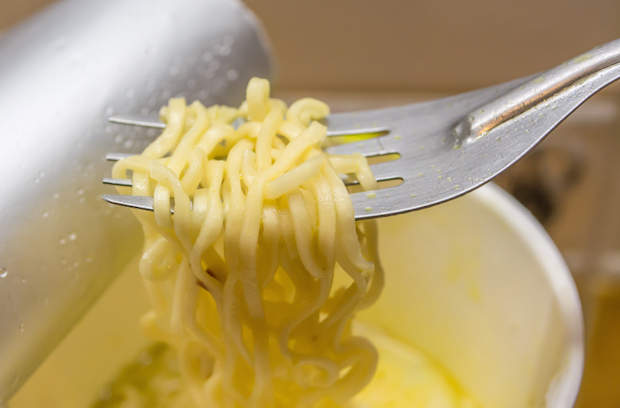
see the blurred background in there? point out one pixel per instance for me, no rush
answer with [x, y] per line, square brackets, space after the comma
[357, 54]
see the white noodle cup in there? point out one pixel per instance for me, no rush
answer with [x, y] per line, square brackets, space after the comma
[476, 283]
[479, 286]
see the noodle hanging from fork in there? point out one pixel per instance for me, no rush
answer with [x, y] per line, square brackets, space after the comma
[241, 276]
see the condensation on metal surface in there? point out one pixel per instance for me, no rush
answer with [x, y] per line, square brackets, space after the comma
[62, 74]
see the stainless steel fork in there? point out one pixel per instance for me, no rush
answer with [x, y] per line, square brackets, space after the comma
[448, 147]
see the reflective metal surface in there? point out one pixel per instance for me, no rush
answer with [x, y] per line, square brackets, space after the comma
[62, 74]
[440, 160]
[451, 146]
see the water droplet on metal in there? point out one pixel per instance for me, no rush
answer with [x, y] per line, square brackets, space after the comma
[3, 272]
[232, 75]
[207, 56]
[224, 50]
[228, 40]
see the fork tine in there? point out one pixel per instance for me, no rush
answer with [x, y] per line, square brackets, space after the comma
[146, 203]
[150, 121]
[388, 170]
[118, 156]
[137, 202]
[348, 181]
[376, 146]
[358, 131]
[387, 201]
[117, 182]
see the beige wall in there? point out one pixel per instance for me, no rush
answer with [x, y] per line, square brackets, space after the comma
[416, 45]
[12, 11]
[429, 45]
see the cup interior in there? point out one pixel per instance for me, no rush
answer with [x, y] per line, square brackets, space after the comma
[479, 286]
[475, 283]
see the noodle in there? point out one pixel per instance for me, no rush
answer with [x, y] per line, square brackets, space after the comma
[241, 275]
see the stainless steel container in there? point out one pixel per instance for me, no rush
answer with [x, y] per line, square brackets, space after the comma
[62, 73]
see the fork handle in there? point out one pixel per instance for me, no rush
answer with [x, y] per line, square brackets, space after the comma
[515, 102]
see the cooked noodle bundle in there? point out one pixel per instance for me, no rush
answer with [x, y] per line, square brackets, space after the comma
[241, 274]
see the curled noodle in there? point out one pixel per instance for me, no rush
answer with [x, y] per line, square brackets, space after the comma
[241, 276]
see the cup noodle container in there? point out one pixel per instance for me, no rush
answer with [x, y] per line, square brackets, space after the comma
[475, 283]
[62, 74]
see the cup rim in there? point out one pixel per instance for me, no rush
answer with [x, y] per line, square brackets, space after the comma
[564, 388]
